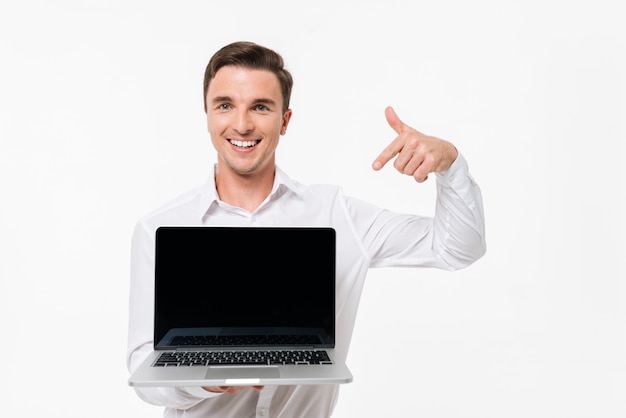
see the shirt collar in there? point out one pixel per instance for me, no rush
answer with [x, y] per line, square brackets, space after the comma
[209, 196]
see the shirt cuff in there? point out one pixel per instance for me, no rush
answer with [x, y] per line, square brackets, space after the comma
[456, 174]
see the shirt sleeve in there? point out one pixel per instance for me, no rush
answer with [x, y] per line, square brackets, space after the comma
[452, 239]
[140, 328]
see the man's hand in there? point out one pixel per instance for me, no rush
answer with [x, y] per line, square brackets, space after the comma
[417, 154]
[231, 390]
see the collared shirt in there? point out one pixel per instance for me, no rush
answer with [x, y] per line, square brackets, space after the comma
[367, 236]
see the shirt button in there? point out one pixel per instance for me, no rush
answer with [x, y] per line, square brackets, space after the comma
[262, 412]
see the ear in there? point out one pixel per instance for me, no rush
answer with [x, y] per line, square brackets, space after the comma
[286, 119]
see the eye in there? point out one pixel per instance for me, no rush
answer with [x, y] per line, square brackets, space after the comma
[223, 106]
[261, 108]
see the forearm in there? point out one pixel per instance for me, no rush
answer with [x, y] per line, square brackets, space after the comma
[141, 324]
[459, 224]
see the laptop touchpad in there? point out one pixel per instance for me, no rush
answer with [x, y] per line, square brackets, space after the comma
[225, 372]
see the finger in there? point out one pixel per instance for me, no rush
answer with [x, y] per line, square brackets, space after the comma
[396, 146]
[232, 390]
[420, 176]
[229, 389]
[411, 166]
[215, 389]
[388, 153]
[393, 120]
[423, 170]
[396, 123]
[223, 389]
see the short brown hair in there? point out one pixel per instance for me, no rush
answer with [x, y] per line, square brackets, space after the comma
[254, 56]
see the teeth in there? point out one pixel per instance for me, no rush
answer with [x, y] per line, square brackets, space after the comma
[243, 144]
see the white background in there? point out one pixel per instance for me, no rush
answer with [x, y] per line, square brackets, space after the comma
[101, 121]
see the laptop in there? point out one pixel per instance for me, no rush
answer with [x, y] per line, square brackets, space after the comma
[239, 306]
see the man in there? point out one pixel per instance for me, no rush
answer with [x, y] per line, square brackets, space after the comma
[246, 94]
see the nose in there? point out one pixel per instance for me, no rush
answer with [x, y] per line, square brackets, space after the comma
[242, 122]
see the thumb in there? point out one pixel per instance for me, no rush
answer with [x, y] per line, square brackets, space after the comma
[393, 120]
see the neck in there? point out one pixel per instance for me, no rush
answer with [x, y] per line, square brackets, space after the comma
[243, 191]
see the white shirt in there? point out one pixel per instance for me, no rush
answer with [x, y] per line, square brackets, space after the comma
[367, 236]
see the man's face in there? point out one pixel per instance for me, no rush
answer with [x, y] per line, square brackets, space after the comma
[245, 119]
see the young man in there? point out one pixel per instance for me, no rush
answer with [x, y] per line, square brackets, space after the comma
[246, 93]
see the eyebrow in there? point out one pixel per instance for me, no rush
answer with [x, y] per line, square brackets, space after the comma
[223, 99]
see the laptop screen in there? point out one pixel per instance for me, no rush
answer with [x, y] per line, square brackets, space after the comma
[243, 286]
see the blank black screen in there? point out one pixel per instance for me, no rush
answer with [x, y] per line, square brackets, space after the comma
[244, 277]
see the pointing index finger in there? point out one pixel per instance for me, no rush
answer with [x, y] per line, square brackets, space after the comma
[388, 153]
[395, 147]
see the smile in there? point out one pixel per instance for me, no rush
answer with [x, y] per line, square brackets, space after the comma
[244, 144]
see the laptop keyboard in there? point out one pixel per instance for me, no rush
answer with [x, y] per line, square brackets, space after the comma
[243, 357]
